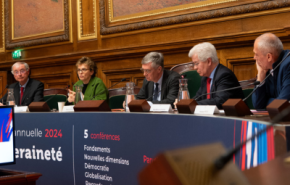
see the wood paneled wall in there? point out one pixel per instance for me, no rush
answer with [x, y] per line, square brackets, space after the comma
[119, 55]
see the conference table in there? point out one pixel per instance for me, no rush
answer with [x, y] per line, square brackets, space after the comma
[107, 148]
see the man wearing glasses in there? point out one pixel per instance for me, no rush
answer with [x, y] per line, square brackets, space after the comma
[160, 85]
[215, 76]
[26, 90]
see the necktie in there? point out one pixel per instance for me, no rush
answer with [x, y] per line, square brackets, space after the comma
[155, 94]
[208, 87]
[21, 94]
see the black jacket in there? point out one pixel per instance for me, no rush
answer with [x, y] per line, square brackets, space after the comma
[224, 78]
[33, 92]
[169, 89]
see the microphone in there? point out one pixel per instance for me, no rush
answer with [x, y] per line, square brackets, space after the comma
[266, 78]
[122, 80]
[224, 159]
[254, 83]
[56, 94]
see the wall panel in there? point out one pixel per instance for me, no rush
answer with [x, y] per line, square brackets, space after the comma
[87, 19]
[3, 83]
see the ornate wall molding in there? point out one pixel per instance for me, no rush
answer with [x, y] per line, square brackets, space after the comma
[81, 35]
[2, 49]
[40, 40]
[192, 17]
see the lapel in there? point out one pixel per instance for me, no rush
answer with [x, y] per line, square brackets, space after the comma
[164, 80]
[213, 86]
[26, 92]
[90, 91]
[204, 87]
[150, 90]
[17, 93]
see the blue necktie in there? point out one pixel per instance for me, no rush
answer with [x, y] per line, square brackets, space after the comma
[155, 94]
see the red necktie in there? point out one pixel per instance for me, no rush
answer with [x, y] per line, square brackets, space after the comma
[208, 87]
[21, 94]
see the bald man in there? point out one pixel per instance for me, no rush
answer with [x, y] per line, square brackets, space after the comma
[268, 53]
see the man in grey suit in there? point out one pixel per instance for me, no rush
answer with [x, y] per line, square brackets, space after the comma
[26, 90]
[160, 85]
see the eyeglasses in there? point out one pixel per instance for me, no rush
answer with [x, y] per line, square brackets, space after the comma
[195, 63]
[146, 71]
[82, 70]
[18, 72]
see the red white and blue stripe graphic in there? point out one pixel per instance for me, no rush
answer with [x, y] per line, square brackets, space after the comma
[257, 151]
[6, 126]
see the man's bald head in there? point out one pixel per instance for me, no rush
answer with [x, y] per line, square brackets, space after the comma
[269, 43]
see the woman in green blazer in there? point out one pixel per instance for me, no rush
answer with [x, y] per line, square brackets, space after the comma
[93, 87]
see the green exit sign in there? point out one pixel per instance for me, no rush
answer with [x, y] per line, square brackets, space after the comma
[16, 54]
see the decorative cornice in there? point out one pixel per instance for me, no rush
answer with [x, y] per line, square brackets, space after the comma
[224, 12]
[60, 38]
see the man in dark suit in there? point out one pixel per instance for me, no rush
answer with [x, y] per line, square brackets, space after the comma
[160, 85]
[215, 76]
[268, 53]
[26, 90]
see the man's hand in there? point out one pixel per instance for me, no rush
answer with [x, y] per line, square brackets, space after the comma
[71, 96]
[1, 104]
[261, 73]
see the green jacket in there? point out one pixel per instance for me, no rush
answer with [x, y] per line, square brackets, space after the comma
[95, 87]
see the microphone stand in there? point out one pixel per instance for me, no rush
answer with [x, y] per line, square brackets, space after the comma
[254, 83]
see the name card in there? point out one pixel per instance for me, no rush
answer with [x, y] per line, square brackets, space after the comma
[161, 108]
[68, 108]
[21, 109]
[206, 109]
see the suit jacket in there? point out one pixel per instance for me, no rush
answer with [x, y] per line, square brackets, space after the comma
[33, 92]
[95, 87]
[276, 86]
[169, 89]
[224, 78]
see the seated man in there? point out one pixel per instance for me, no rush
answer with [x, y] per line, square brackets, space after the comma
[215, 76]
[268, 53]
[26, 90]
[159, 85]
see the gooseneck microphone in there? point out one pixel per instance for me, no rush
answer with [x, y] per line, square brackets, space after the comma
[224, 159]
[122, 80]
[266, 78]
[254, 83]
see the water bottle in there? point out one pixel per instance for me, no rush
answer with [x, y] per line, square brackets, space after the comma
[79, 94]
[129, 94]
[10, 97]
